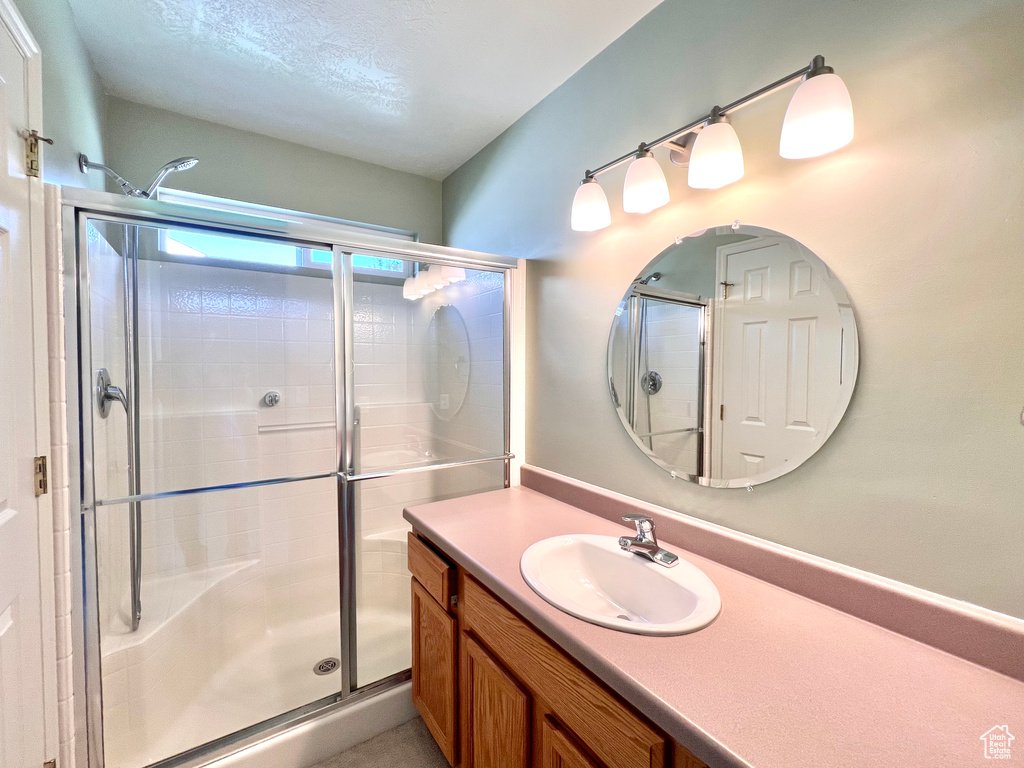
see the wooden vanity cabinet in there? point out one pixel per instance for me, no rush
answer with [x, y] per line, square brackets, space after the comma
[434, 647]
[520, 700]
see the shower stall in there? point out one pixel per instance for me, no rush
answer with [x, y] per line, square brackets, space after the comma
[255, 403]
[666, 383]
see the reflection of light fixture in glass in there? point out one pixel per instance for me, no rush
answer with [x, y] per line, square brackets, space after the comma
[716, 158]
[422, 283]
[453, 274]
[409, 290]
[435, 277]
[590, 207]
[819, 119]
[645, 188]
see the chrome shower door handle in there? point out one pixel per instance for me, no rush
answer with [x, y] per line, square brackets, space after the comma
[107, 393]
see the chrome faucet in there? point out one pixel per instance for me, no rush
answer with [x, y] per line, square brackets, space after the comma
[646, 542]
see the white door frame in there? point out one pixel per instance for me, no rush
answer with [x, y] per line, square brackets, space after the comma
[15, 25]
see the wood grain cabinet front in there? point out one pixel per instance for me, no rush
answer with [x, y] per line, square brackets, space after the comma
[495, 717]
[558, 750]
[434, 678]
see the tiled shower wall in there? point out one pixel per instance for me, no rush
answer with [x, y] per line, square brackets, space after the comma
[60, 478]
[212, 342]
[215, 341]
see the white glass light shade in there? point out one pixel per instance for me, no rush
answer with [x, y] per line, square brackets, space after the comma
[422, 283]
[590, 207]
[645, 188]
[819, 119]
[409, 290]
[435, 277]
[716, 158]
[453, 274]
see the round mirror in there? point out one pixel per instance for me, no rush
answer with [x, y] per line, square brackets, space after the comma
[447, 375]
[733, 356]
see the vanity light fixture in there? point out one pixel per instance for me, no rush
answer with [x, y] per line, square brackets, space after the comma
[819, 120]
[590, 206]
[716, 158]
[645, 188]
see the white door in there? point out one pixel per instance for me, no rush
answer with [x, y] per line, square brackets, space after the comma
[26, 638]
[780, 357]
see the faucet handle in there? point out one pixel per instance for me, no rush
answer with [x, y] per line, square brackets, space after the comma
[644, 526]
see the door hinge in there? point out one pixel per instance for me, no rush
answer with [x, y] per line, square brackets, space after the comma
[32, 139]
[721, 412]
[725, 289]
[41, 475]
[455, 600]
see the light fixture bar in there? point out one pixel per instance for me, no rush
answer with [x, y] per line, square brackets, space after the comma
[816, 65]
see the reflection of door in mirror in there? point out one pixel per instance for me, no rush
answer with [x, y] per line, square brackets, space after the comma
[668, 406]
[779, 355]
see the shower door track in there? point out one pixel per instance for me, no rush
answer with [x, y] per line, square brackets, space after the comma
[78, 206]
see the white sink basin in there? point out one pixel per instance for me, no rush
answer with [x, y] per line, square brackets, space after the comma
[591, 578]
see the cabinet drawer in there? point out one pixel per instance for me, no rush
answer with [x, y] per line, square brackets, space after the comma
[430, 570]
[608, 727]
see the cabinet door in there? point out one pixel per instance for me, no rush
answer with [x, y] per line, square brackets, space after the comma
[434, 638]
[495, 712]
[558, 750]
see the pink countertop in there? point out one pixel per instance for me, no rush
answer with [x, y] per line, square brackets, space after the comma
[776, 681]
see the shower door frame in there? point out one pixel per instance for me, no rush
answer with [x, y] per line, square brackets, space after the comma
[637, 318]
[78, 206]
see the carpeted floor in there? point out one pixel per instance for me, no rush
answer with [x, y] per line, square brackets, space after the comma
[407, 746]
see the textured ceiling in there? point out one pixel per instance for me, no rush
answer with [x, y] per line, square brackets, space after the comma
[417, 85]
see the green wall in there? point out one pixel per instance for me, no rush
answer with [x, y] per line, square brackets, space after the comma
[921, 218]
[247, 166]
[73, 100]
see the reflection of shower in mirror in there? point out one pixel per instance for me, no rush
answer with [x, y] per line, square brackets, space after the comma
[733, 356]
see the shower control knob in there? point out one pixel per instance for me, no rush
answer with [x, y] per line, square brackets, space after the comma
[271, 399]
[651, 382]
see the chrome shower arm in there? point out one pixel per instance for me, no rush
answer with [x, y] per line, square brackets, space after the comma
[85, 165]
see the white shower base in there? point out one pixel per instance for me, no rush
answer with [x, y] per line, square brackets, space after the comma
[275, 675]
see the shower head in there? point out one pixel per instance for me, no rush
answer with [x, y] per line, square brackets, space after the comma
[181, 164]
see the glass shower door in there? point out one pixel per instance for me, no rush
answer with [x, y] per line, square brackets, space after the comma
[669, 410]
[211, 461]
[430, 406]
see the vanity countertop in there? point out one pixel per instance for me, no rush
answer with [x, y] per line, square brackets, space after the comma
[776, 681]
